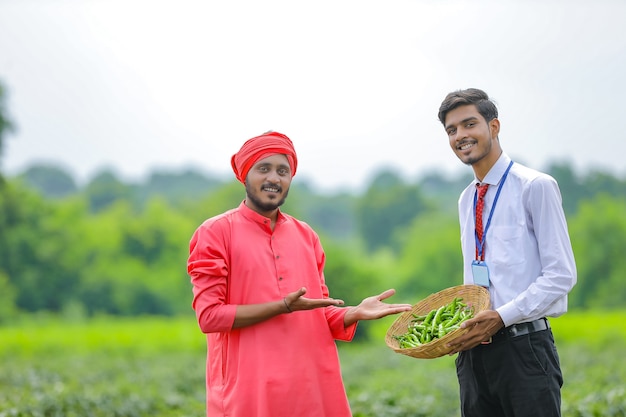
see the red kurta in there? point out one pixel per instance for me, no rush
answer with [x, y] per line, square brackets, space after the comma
[287, 366]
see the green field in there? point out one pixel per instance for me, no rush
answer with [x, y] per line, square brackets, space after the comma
[155, 367]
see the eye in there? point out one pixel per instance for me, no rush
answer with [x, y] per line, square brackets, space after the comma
[283, 171]
[451, 132]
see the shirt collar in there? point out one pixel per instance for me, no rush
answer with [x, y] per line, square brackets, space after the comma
[497, 170]
[256, 217]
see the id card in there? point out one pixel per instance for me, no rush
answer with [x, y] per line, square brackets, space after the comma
[480, 272]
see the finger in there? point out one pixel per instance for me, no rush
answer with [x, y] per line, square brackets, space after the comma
[456, 342]
[386, 294]
[398, 306]
[469, 323]
[453, 348]
[296, 295]
[329, 302]
[404, 307]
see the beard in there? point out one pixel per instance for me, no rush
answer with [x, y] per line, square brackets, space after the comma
[472, 159]
[263, 206]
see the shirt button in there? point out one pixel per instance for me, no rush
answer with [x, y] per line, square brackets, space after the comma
[280, 278]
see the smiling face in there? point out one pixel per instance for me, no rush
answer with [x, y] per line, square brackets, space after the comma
[267, 185]
[473, 139]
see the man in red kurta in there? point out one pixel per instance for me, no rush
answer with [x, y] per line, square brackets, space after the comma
[271, 350]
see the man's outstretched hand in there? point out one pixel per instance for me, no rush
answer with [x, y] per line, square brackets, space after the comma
[372, 308]
[297, 302]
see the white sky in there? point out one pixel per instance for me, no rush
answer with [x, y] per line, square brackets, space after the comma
[143, 84]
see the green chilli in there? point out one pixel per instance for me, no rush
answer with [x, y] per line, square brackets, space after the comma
[437, 323]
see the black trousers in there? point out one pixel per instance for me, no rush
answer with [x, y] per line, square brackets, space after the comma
[511, 377]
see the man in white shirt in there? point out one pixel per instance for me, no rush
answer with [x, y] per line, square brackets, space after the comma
[508, 364]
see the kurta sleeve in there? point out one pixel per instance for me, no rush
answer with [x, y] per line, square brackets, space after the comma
[208, 268]
[334, 316]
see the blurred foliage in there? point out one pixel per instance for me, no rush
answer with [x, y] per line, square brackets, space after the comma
[389, 204]
[54, 181]
[6, 124]
[598, 233]
[431, 255]
[114, 247]
[119, 248]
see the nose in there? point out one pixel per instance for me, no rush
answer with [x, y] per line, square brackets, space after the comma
[461, 133]
[273, 176]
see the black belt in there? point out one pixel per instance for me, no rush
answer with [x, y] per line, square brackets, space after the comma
[521, 329]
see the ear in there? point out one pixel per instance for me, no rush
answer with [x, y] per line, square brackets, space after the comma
[494, 127]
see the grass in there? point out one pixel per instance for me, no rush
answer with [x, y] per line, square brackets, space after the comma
[155, 367]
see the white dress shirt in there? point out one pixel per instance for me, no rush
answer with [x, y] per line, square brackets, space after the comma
[527, 246]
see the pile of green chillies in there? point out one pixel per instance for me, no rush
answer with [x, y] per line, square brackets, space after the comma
[437, 323]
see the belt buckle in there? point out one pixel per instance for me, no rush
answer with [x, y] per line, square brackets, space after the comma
[487, 341]
[514, 331]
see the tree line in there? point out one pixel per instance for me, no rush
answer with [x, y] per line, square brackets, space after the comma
[119, 248]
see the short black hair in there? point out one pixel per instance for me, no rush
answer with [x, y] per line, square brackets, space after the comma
[485, 106]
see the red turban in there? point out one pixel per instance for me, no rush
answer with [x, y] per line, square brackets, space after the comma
[257, 148]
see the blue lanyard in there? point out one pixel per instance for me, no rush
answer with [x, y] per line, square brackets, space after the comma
[480, 244]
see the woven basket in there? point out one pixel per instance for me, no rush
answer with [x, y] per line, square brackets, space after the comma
[473, 295]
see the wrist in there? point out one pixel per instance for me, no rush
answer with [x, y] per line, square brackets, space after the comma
[289, 310]
[350, 317]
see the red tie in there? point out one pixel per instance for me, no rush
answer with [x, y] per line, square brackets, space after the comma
[480, 204]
